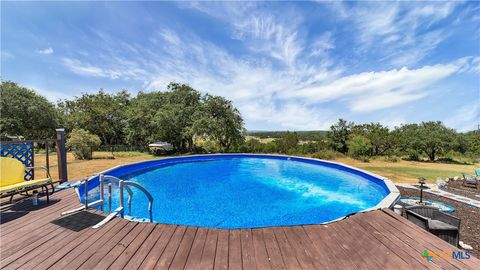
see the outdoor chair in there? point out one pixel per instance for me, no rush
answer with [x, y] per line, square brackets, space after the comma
[12, 182]
[471, 181]
[441, 224]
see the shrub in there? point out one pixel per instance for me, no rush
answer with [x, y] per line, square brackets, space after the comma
[413, 155]
[251, 146]
[391, 159]
[363, 158]
[327, 155]
[287, 143]
[359, 147]
[80, 142]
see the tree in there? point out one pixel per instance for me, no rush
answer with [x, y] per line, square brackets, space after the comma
[81, 141]
[174, 121]
[25, 113]
[359, 146]
[435, 138]
[181, 113]
[287, 142]
[219, 120]
[140, 127]
[338, 135]
[431, 138]
[101, 113]
[378, 135]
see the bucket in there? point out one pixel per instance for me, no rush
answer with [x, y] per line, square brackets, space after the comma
[398, 209]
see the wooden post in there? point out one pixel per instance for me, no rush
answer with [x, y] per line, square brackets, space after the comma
[61, 155]
[47, 157]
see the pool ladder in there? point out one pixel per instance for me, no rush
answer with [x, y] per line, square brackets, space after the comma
[121, 209]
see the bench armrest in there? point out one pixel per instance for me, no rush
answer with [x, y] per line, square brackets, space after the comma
[447, 218]
[418, 219]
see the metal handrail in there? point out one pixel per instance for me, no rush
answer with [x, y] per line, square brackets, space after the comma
[130, 195]
[121, 209]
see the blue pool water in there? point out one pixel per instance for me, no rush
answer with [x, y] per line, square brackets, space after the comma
[250, 191]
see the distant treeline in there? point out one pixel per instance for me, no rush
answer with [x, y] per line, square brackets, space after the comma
[199, 123]
[312, 135]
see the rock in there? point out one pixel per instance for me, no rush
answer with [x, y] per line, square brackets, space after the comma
[440, 183]
[465, 246]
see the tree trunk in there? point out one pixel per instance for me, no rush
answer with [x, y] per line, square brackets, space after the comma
[431, 155]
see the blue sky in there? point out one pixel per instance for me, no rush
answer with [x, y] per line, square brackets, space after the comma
[288, 65]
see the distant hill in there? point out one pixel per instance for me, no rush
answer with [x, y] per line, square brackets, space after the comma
[312, 135]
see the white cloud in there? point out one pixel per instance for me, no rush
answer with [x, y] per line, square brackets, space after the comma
[369, 91]
[46, 51]
[261, 31]
[322, 44]
[465, 118]
[403, 32]
[119, 69]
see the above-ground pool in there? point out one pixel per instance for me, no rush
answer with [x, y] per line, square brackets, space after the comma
[248, 191]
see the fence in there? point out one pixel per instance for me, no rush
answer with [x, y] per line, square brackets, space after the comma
[24, 151]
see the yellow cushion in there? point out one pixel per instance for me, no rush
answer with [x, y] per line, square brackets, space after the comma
[25, 184]
[12, 171]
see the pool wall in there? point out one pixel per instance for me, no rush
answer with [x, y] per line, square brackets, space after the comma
[122, 171]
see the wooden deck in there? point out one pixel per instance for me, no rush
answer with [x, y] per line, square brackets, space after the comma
[38, 238]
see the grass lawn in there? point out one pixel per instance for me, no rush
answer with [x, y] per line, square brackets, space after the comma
[409, 171]
[401, 171]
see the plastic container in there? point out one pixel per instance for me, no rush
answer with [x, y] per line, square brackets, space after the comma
[35, 198]
[398, 209]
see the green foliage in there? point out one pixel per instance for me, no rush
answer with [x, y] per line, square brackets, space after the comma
[140, 125]
[80, 142]
[339, 134]
[252, 146]
[219, 120]
[378, 135]
[287, 142]
[25, 113]
[431, 138]
[174, 120]
[101, 113]
[179, 115]
[327, 155]
[311, 147]
[359, 147]
[391, 158]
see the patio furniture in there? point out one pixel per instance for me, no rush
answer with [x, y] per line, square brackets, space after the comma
[12, 182]
[470, 181]
[441, 224]
[408, 201]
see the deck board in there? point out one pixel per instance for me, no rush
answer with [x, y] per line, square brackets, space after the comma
[39, 238]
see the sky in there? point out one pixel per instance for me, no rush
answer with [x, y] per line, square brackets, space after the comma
[285, 65]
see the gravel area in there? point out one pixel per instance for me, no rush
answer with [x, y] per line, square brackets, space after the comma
[470, 218]
[456, 187]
